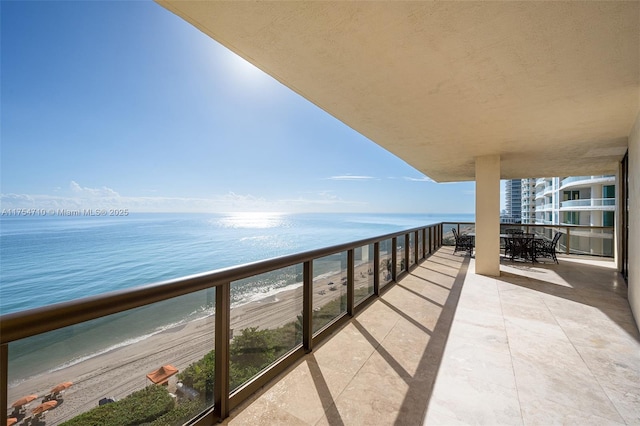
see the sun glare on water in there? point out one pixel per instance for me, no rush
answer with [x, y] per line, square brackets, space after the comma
[252, 220]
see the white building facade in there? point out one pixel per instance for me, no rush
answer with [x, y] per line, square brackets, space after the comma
[581, 201]
[528, 196]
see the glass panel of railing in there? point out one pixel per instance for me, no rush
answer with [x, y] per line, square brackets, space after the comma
[561, 246]
[467, 228]
[420, 244]
[266, 321]
[401, 264]
[140, 362]
[386, 262]
[447, 234]
[509, 228]
[595, 242]
[364, 269]
[412, 248]
[329, 289]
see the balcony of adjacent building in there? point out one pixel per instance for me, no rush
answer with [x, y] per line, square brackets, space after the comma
[608, 204]
[402, 332]
[578, 181]
[589, 196]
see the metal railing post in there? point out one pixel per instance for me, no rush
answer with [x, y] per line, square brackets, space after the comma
[394, 258]
[307, 306]
[350, 281]
[222, 360]
[568, 240]
[376, 269]
[4, 369]
[407, 251]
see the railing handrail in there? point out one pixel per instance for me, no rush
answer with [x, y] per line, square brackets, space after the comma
[23, 324]
[30, 322]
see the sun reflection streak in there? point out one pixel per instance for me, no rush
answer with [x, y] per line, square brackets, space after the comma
[258, 220]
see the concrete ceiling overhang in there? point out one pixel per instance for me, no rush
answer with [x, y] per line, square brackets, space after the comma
[552, 87]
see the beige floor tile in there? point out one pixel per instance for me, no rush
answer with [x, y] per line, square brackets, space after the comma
[485, 338]
[475, 315]
[263, 413]
[463, 359]
[332, 354]
[541, 344]
[548, 413]
[546, 386]
[626, 399]
[296, 396]
[470, 401]
[378, 319]
[406, 344]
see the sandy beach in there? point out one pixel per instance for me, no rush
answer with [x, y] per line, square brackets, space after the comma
[123, 371]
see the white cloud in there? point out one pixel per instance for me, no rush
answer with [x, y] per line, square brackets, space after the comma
[350, 177]
[92, 192]
[84, 198]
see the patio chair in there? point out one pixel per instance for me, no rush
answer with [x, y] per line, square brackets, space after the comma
[520, 246]
[546, 248]
[463, 242]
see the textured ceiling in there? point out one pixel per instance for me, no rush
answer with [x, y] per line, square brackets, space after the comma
[552, 87]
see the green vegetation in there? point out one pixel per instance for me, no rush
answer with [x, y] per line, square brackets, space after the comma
[183, 412]
[250, 352]
[200, 375]
[138, 408]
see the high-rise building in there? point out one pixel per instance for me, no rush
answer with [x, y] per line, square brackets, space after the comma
[513, 201]
[575, 200]
[578, 200]
[528, 196]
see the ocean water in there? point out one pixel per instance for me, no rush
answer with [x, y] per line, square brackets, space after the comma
[46, 260]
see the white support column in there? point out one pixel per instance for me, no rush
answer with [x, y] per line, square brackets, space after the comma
[488, 215]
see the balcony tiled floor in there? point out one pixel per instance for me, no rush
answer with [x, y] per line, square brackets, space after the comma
[544, 344]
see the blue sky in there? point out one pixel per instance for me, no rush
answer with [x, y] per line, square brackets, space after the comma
[125, 105]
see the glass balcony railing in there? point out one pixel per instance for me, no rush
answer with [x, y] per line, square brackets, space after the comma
[329, 289]
[575, 239]
[187, 348]
[589, 202]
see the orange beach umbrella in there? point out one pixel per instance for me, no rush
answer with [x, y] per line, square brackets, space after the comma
[61, 387]
[24, 401]
[45, 406]
[162, 374]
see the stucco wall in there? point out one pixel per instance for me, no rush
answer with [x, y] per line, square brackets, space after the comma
[634, 220]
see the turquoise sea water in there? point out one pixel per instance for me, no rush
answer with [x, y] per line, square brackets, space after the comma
[45, 260]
